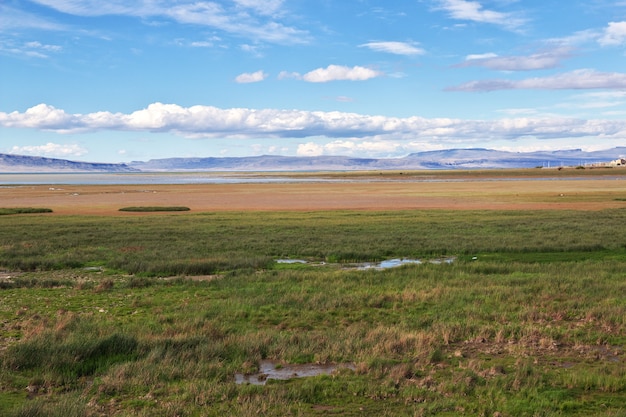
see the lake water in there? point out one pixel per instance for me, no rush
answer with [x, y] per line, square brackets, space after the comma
[149, 178]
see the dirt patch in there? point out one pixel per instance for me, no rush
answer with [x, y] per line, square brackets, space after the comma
[482, 194]
[197, 278]
[8, 276]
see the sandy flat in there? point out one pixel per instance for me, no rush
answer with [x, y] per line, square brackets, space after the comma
[477, 194]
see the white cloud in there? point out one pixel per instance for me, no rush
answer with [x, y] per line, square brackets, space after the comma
[39, 45]
[575, 39]
[480, 56]
[11, 18]
[575, 80]
[254, 77]
[361, 132]
[544, 60]
[614, 34]
[267, 7]
[398, 48]
[310, 149]
[474, 11]
[50, 149]
[595, 100]
[94, 7]
[32, 49]
[255, 50]
[202, 44]
[363, 147]
[285, 75]
[340, 73]
[257, 21]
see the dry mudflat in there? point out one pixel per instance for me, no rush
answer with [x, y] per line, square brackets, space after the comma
[495, 190]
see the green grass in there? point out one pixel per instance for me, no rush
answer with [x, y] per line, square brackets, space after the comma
[214, 242]
[149, 209]
[535, 325]
[23, 210]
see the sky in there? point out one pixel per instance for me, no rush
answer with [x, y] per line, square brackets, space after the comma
[133, 80]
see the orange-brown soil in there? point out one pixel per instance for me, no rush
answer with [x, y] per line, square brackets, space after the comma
[477, 194]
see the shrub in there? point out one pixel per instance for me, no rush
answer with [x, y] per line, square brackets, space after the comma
[149, 209]
[24, 210]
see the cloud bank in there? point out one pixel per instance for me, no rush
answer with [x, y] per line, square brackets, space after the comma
[582, 79]
[50, 149]
[198, 122]
[539, 61]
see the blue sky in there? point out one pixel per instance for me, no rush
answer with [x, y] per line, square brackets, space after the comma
[123, 80]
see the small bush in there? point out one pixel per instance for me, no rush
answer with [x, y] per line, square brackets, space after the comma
[24, 210]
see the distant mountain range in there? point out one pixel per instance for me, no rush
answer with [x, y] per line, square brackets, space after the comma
[22, 164]
[445, 159]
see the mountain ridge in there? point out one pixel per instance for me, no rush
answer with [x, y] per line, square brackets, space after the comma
[472, 158]
[23, 164]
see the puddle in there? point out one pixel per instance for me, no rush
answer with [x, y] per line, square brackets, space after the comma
[93, 269]
[442, 261]
[390, 263]
[394, 263]
[291, 261]
[274, 370]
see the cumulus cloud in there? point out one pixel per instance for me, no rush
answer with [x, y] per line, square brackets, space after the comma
[310, 149]
[544, 60]
[340, 73]
[398, 48]
[254, 77]
[358, 132]
[614, 34]
[474, 11]
[50, 149]
[574, 80]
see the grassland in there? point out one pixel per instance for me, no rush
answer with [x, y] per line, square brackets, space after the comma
[152, 315]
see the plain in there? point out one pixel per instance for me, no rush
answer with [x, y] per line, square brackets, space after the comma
[154, 314]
